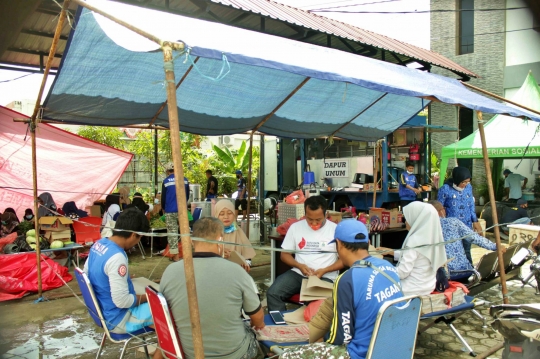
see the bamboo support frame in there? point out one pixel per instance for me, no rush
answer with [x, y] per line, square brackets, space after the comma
[33, 127]
[162, 107]
[174, 126]
[499, 98]
[250, 187]
[489, 181]
[375, 170]
[361, 112]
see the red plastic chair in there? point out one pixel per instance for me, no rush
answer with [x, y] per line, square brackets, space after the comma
[166, 332]
[87, 229]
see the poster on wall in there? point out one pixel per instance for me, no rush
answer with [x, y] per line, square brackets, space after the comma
[337, 168]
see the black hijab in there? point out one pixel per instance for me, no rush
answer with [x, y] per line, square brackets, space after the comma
[459, 174]
[112, 199]
[139, 203]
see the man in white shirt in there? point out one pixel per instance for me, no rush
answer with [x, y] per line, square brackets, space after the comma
[512, 185]
[310, 237]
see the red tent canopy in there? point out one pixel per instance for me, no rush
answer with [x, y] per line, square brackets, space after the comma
[70, 167]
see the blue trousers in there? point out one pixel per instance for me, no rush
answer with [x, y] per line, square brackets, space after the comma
[284, 287]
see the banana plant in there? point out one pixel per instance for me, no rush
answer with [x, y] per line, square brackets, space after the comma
[231, 162]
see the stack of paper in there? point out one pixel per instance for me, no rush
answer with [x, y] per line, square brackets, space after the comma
[140, 284]
[296, 317]
[314, 289]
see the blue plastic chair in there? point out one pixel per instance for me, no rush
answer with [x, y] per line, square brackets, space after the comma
[197, 213]
[396, 329]
[95, 312]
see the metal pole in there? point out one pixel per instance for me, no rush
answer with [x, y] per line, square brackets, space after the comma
[155, 162]
[174, 126]
[375, 169]
[262, 193]
[250, 187]
[33, 126]
[493, 207]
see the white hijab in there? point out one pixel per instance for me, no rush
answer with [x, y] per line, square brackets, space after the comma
[425, 229]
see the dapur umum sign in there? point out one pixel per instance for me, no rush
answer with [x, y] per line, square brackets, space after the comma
[336, 168]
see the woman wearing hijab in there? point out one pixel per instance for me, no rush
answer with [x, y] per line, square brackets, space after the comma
[124, 198]
[225, 212]
[28, 215]
[46, 205]
[11, 210]
[10, 223]
[112, 208]
[417, 268]
[139, 202]
[457, 199]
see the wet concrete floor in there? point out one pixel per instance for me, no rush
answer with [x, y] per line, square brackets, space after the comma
[62, 328]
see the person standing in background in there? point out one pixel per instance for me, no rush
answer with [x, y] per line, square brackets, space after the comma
[211, 186]
[241, 195]
[408, 186]
[512, 185]
[457, 199]
[170, 207]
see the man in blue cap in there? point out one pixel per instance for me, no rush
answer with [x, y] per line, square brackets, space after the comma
[241, 199]
[358, 295]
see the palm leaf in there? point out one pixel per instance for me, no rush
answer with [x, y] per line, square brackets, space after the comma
[225, 158]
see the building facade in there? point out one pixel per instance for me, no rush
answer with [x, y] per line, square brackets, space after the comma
[497, 39]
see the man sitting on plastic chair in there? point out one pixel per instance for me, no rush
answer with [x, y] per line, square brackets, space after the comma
[359, 293]
[459, 267]
[107, 268]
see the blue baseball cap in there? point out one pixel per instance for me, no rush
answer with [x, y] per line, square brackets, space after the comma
[351, 231]
[238, 172]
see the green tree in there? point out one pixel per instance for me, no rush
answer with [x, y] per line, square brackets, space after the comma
[109, 136]
[230, 162]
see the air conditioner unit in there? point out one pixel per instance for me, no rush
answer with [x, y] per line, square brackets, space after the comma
[226, 140]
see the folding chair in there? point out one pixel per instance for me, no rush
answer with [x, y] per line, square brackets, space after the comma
[487, 266]
[197, 213]
[396, 329]
[507, 256]
[95, 312]
[448, 316]
[166, 332]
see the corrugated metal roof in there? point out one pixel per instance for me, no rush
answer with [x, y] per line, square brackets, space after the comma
[280, 20]
[316, 22]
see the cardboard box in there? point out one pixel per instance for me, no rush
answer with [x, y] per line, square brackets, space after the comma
[370, 187]
[54, 223]
[392, 217]
[334, 216]
[64, 236]
[522, 233]
[400, 138]
[94, 211]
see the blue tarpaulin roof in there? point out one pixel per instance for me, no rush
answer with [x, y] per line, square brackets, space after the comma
[110, 76]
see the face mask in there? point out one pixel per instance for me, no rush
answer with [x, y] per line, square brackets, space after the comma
[29, 217]
[237, 176]
[410, 172]
[230, 229]
[53, 207]
[316, 227]
[457, 188]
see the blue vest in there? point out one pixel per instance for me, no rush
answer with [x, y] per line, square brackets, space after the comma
[170, 192]
[100, 253]
[404, 192]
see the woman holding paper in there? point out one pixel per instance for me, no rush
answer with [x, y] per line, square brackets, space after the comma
[225, 212]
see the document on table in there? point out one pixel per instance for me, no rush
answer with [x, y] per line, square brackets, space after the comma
[314, 289]
[296, 317]
[140, 283]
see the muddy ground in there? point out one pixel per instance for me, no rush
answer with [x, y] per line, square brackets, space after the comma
[62, 328]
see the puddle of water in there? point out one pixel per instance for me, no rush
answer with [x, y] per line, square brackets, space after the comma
[59, 338]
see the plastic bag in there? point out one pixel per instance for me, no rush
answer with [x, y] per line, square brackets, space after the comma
[297, 197]
[284, 227]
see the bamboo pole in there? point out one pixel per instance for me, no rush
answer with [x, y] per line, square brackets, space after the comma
[33, 126]
[499, 98]
[504, 290]
[174, 126]
[250, 187]
[375, 169]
